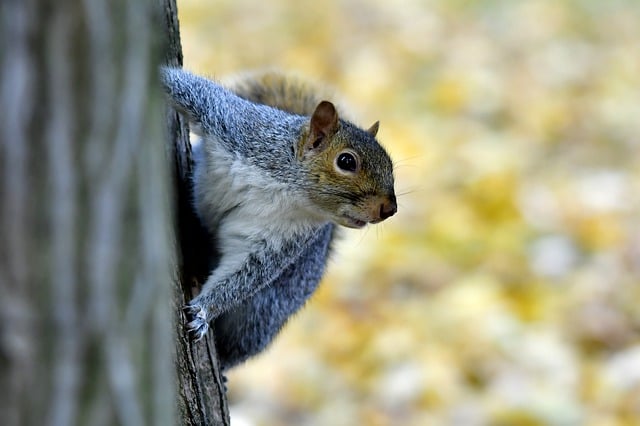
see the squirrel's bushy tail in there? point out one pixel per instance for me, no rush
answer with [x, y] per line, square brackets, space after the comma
[273, 88]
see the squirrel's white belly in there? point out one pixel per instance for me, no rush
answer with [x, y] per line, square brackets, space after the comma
[237, 200]
[242, 207]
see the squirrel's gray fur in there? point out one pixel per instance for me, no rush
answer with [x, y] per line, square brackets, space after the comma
[255, 193]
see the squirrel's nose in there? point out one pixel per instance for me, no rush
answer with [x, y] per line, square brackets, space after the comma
[388, 208]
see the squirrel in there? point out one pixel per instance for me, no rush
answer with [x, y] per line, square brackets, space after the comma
[275, 171]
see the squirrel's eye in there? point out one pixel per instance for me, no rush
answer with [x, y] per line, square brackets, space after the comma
[347, 162]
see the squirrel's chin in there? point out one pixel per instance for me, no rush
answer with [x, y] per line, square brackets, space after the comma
[351, 222]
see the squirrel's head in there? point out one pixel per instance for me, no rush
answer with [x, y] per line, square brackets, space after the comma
[351, 175]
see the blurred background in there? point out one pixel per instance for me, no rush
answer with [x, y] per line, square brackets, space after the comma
[506, 291]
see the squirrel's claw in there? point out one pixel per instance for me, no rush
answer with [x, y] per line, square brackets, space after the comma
[198, 326]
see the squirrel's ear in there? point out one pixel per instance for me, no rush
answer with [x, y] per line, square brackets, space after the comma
[324, 123]
[374, 129]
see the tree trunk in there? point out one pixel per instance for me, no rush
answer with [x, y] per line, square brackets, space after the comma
[202, 397]
[86, 253]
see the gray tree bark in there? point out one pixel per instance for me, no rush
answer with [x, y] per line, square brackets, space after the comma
[86, 253]
[202, 398]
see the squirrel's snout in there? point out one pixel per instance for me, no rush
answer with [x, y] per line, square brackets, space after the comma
[388, 208]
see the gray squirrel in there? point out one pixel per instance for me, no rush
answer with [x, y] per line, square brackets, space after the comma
[275, 170]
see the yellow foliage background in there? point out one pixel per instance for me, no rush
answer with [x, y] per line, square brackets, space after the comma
[506, 291]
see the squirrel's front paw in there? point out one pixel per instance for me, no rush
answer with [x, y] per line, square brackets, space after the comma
[199, 324]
